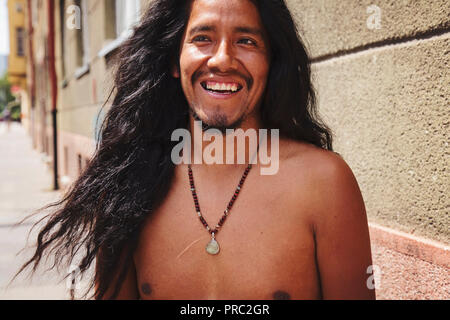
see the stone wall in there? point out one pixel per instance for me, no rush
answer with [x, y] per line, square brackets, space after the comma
[385, 93]
[381, 71]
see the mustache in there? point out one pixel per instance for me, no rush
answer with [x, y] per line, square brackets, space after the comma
[199, 73]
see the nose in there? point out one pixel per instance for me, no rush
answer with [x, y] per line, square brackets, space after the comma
[223, 58]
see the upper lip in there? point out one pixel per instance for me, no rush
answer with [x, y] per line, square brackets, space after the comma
[225, 80]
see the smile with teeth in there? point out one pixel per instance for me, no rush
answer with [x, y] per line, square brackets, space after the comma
[221, 87]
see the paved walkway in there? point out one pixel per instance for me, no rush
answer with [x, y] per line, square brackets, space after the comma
[25, 185]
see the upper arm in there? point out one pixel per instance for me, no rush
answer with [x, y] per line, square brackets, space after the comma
[341, 233]
[129, 289]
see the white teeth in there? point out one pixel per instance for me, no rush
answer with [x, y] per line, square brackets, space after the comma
[222, 87]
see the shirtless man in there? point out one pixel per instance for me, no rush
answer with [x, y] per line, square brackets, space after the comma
[299, 234]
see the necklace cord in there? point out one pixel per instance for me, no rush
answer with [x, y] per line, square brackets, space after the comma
[214, 231]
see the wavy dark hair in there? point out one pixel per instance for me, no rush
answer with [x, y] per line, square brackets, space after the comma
[102, 214]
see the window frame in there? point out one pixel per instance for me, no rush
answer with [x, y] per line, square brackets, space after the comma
[20, 42]
[119, 39]
[83, 42]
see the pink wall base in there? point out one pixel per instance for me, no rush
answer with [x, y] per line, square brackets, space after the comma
[411, 268]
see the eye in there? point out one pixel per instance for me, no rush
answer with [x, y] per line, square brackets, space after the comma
[200, 39]
[247, 41]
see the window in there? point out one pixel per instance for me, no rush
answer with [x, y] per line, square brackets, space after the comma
[85, 33]
[20, 37]
[127, 13]
[82, 40]
[19, 7]
[124, 14]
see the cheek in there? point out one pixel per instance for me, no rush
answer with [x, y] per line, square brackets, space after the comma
[190, 61]
[259, 67]
[261, 73]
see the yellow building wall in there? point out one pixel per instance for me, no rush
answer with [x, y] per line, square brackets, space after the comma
[17, 61]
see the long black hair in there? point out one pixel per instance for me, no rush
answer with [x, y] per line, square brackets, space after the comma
[129, 175]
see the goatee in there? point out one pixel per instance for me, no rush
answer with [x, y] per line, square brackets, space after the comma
[219, 122]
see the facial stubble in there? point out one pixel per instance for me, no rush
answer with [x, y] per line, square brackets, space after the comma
[218, 120]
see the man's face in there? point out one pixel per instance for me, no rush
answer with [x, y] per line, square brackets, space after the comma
[224, 61]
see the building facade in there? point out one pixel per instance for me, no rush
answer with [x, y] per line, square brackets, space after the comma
[17, 60]
[86, 35]
[87, 39]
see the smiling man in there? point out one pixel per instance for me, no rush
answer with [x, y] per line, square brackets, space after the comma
[224, 63]
[165, 231]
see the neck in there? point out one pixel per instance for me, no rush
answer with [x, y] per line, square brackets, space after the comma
[219, 152]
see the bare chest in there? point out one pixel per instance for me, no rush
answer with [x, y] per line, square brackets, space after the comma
[266, 251]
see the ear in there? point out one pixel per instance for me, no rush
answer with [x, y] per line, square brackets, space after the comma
[175, 71]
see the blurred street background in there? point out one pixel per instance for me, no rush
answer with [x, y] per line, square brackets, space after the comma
[25, 186]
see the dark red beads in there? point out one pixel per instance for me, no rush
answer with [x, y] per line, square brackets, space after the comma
[230, 204]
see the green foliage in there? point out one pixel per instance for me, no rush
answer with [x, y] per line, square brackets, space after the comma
[15, 109]
[5, 93]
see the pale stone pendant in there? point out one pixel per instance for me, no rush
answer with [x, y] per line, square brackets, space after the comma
[213, 247]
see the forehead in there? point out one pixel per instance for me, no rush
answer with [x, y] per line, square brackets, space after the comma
[224, 13]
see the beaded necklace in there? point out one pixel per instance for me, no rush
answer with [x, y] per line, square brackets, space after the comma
[213, 246]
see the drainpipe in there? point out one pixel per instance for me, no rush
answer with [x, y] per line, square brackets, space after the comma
[53, 86]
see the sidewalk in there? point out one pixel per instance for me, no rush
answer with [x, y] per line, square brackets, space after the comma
[25, 185]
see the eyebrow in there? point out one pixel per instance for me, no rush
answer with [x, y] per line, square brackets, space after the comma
[203, 28]
[254, 31]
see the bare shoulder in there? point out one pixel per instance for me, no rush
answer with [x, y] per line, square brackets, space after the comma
[336, 213]
[323, 166]
[323, 174]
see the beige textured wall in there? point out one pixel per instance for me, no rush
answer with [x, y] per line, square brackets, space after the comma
[331, 27]
[385, 93]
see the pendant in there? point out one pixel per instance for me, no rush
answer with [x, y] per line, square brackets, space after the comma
[213, 246]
